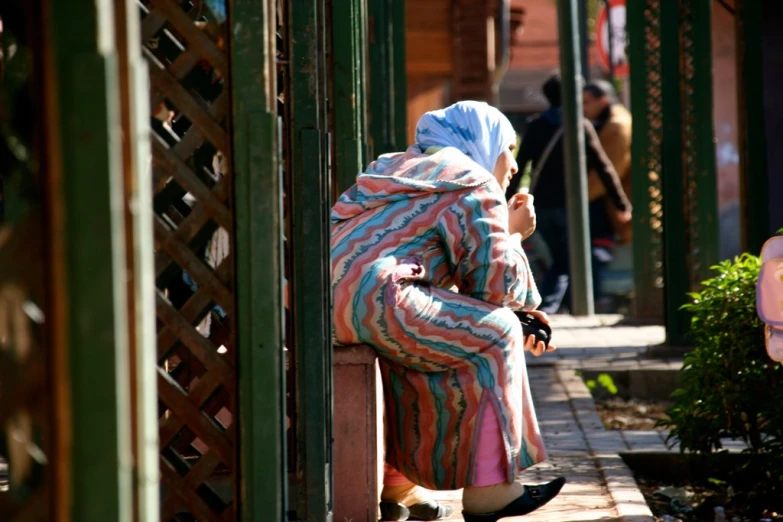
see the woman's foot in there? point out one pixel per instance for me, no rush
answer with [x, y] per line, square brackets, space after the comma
[410, 502]
[532, 498]
[405, 494]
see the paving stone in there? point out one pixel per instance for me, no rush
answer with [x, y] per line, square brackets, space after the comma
[651, 441]
[554, 427]
[605, 441]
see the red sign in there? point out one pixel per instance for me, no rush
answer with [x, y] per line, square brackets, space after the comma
[615, 19]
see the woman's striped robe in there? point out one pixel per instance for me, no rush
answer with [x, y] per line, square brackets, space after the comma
[425, 271]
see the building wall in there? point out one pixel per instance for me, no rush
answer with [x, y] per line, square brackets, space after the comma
[425, 93]
[428, 38]
[429, 57]
[450, 52]
[535, 55]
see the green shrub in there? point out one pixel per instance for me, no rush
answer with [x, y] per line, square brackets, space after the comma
[728, 386]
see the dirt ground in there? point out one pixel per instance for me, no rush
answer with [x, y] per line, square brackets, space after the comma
[701, 503]
[620, 414]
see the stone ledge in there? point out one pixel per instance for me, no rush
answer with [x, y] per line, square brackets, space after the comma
[602, 446]
[358, 433]
[354, 354]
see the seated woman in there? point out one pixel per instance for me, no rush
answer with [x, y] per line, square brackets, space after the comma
[428, 268]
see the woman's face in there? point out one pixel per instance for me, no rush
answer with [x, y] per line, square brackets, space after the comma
[506, 167]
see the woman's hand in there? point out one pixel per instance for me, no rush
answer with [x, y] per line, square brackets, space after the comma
[521, 215]
[538, 348]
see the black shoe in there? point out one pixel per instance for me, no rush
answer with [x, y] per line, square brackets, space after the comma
[534, 498]
[427, 510]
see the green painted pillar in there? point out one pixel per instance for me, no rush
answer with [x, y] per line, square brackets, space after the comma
[387, 98]
[84, 57]
[381, 118]
[754, 182]
[258, 200]
[675, 241]
[349, 87]
[644, 30]
[698, 135]
[581, 282]
[309, 191]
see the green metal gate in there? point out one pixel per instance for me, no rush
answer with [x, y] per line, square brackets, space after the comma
[177, 286]
[674, 174]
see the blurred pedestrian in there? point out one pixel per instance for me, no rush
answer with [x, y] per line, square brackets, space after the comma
[543, 146]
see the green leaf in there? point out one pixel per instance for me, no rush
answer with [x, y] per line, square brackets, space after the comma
[606, 381]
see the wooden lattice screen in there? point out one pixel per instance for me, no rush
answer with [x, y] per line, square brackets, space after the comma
[185, 44]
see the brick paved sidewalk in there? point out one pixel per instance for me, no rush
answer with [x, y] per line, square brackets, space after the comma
[600, 486]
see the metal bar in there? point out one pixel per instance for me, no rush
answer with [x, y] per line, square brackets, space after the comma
[140, 260]
[754, 182]
[87, 100]
[576, 170]
[583, 40]
[609, 39]
[702, 180]
[644, 56]
[360, 57]
[310, 285]
[258, 206]
[60, 394]
[503, 61]
[674, 221]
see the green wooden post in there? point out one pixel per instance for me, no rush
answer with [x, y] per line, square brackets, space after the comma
[85, 63]
[348, 79]
[701, 187]
[388, 80]
[645, 59]
[381, 56]
[675, 227]
[258, 200]
[752, 136]
[576, 169]
[310, 205]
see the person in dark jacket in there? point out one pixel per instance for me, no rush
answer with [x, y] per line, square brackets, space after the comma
[543, 147]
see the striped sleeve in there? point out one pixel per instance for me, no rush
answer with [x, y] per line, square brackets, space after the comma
[488, 264]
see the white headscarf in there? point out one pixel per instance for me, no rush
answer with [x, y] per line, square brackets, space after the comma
[477, 129]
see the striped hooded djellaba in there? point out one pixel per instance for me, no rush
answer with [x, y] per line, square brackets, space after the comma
[425, 271]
